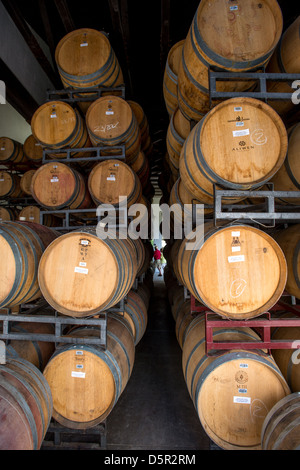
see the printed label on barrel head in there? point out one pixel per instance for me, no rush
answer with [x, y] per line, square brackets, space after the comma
[236, 259]
[244, 400]
[240, 133]
[81, 270]
[80, 375]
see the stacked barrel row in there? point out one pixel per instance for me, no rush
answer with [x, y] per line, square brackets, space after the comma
[221, 285]
[82, 274]
[235, 271]
[186, 90]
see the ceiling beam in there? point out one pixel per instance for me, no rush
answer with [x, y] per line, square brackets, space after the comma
[164, 37]
[16, 94]
[119, 17]
[47, 28]
[31, 40]
[65, 15]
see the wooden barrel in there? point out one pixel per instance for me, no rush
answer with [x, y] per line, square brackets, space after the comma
[136, 315]
[181, 204]
[281, 428]
[10, 185]
[287, 177]
[234, 38]
[57, 186]
[111, 180]
[289, 241]
[170, 80]
[105, 270]
[11, 151]
[240, 144]
[22, 244]
[85, 59]
[146, 142]
[285, 59]
[86, 381]
[36, 352]
[25, 181]
[111, 122]
[25, 406]
[232, 390]
[178, 130]
[238, 271]
[7, 213]
[33, 150]
[183, 319]
[56, 125]
[287, 359]
[33, 214]
[142, 168]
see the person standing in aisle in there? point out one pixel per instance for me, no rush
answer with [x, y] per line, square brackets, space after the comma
[157, 259]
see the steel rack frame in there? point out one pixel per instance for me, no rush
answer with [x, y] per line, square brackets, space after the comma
[59, 437]
[261, 79]
[66, 154]
[262, 324]
[70, 95]
[290, 214]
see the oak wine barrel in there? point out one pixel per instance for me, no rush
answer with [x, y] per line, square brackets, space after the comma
[25, 181]
[232, 391]
[285, 59]
[33, 213]
[142, 168]
[22, 245]
[57, 186]
[287, 177]
[178, 130]
[289, 241]
[33, 150]
[281, 428]
[86, 381]
[85, 59]
[288, 359]
[56, 126]
[240, 144]
[10, 185]
[36, 352]
[111, 180]
[231, 38]
[25, 405]
[146, 142]
[105, 270]
[238, 271]
[135, 312]
[111, 122]
[11, 151]
[181, 202]
[170, 80]
[8, 214]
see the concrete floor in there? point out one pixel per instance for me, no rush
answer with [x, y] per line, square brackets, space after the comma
[155, 411]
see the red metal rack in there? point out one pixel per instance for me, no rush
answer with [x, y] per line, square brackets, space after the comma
[261, 325]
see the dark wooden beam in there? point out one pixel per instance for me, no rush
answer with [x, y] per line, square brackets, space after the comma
[65, 15]
[164, 37]
[16, 15]
[119, 17]
[16, 93]
[47, 28]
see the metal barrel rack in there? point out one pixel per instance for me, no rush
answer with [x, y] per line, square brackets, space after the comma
[262, 324]
[267, 212]
[59, 436]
